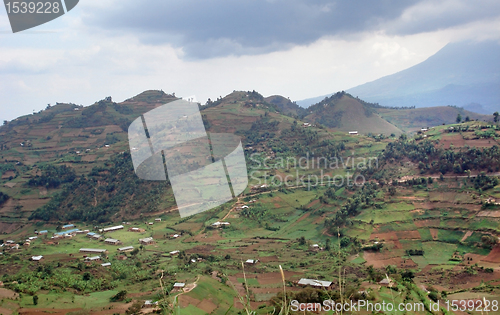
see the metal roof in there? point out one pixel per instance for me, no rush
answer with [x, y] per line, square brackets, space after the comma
[315, 283]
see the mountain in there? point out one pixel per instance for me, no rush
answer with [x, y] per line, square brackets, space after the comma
[465, 74]
[286, 106]
[72, 162]
[343, 112]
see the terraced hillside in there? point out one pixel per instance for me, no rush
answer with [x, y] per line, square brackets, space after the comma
[321, 205]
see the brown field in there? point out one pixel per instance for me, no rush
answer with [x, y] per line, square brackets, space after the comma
[456, 139]
[408, 235]
[426, 223]
[8, 228]
[212, 237]
[9, 294]
[51, 311]
[267, 259]
[275, 277]
[389, 236]
[494, 255]
[8, 174]
[5, 311]
[434, 233]
[380, 260]
[492, 214]
[204, 249]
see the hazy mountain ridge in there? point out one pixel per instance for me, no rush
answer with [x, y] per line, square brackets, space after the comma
[459, 74]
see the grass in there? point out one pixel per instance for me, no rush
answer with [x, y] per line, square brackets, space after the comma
[450, 236]
[437, 253]
[425, 234]
[250, 281]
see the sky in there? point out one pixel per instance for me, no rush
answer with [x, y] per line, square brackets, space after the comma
[294, 48]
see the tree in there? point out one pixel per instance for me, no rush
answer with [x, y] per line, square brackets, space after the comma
[135, 308]
[87, 276]
[459, 118]
[35, 299]
[467, 118]
[302, 240]
[120, 296]
[392, 190]
[495, 117]
[488, 241]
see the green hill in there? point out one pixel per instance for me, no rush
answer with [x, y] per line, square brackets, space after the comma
[343, 112]
[413, 119]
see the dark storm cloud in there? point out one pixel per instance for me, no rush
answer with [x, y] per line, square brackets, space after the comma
[206, 29]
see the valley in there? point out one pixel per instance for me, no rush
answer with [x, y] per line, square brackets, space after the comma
[393, 201]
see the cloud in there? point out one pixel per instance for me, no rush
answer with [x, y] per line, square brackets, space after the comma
[206, 29]
[429, 16]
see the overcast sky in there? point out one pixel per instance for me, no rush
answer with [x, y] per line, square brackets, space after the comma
[295, 48]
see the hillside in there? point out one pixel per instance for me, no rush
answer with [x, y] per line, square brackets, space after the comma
[74, 163]
[344, 113]
[286, 106]
[413, 119]
[421, 212]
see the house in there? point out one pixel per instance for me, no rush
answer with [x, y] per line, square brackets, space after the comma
[43, 232]
[134, 229]
[315, 247]
[121, 257]
[306, 125]
[126, 249]
[92, 259]
[147, 241]
[96, 237]
[27, 244]
[150, 303]
[220, 224]
[179, 285]
[36, 258]
[32, 238]
[82, 232]
[111, 229]
[151, 223]
[175, 236]
[424, 129]
[175, 252]
[386, 282]
[315, 283]
[68, 232]
[68, 226]
[93, 250]
[158, 220]
[353, 132]
[106, 264]
[251, 261]
[112, 241]
[244, 207]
